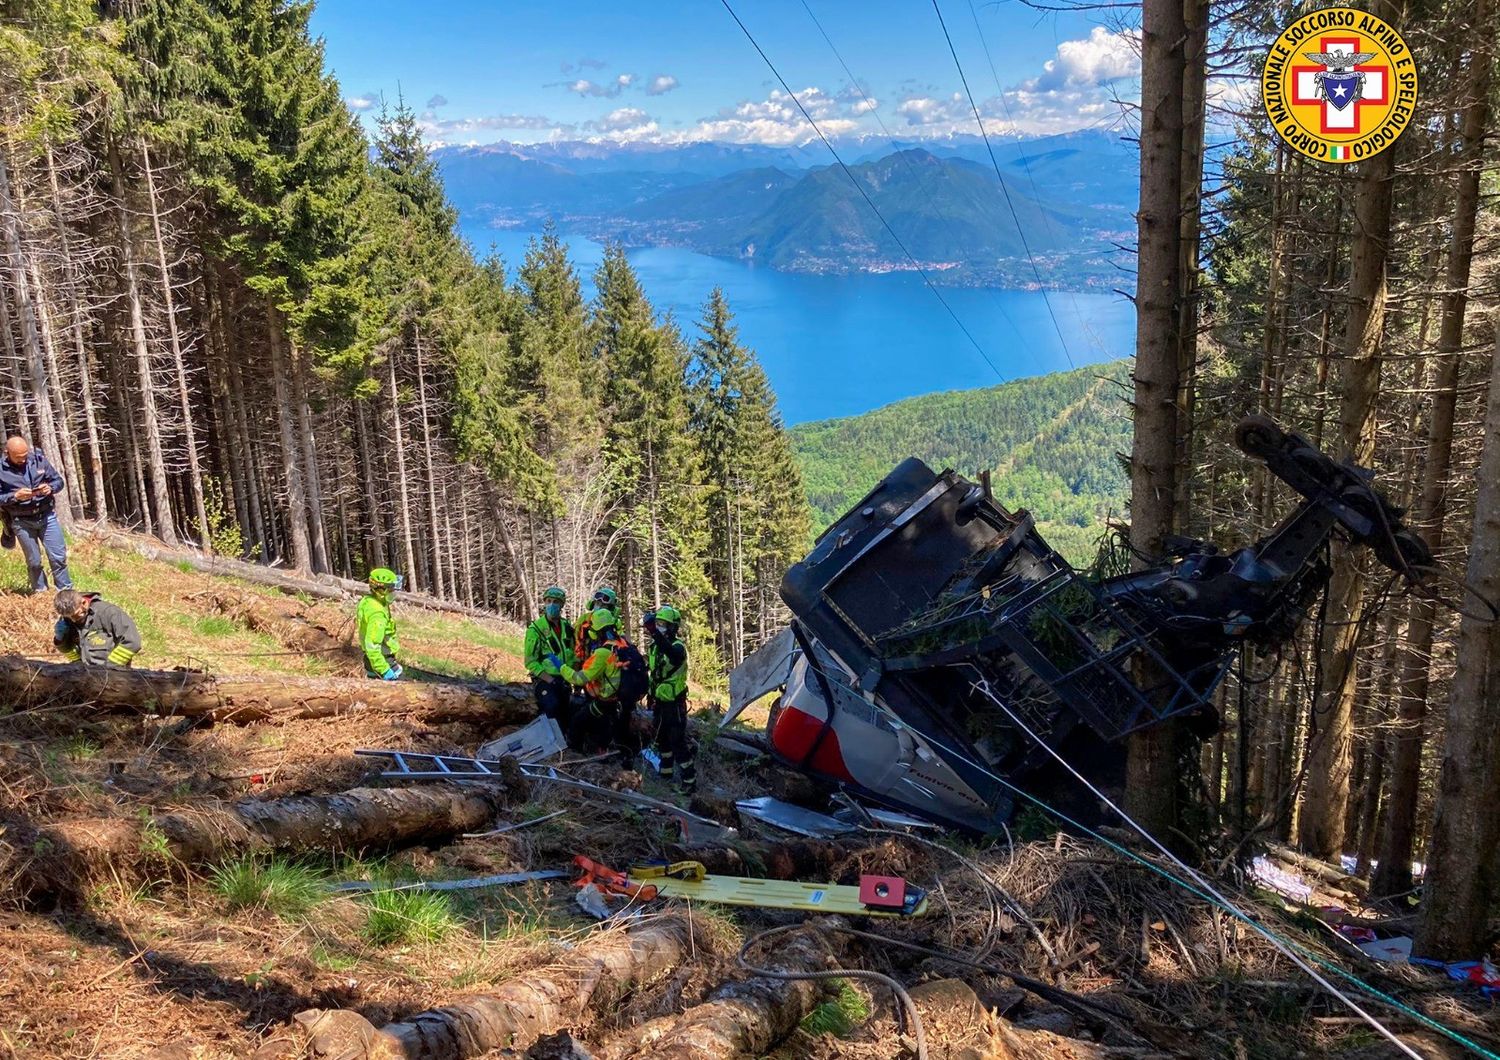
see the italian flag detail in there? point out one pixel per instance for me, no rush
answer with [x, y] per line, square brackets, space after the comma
[1338, 153]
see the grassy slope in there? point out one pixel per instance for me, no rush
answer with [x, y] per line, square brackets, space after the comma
[179, 627]
[1050, 440]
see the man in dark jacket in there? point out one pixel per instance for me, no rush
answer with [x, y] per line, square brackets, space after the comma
[92, 631]
[29, 485]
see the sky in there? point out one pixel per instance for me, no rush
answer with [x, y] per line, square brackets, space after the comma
[667, 71]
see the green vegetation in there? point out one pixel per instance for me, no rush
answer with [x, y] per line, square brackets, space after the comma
[1051, 442]
[840, 1015]
[286, 889]
[395, 918]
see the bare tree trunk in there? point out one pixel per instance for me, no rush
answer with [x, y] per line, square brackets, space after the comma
[29, 312]
[1151, 778]
[1393, 874]
[296, 497]
[1460, 867]
[316, 537]
[169, 303]
[376, 542]
[439, 587]
[80, 351]
[402, 482]
[165, 527]
[1321, 825]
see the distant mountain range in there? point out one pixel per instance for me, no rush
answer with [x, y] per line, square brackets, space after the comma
[1073, 195]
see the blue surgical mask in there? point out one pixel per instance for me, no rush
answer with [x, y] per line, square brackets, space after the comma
[553, 611]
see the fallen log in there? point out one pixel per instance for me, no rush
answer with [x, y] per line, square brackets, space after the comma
[322, 586]
[1320, 870]
[59, 856]
[595, 976]
[744, 1018]
[295, 630]
[27, 684]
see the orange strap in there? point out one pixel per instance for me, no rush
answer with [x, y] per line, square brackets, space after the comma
[610, 880]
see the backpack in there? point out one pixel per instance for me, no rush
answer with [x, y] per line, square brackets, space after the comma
[634, 681]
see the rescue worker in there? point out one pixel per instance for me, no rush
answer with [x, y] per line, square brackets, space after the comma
[604, 597]
[667, 670]
[377, 629]
[29, 486]
[596, 722]
[92, 631]
[550, 636]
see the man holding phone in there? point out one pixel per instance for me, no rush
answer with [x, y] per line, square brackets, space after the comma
[29, 485]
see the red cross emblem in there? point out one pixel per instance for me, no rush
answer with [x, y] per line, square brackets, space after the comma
[1346, 120]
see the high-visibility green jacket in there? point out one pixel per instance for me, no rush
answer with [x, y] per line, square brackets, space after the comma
[545, 637]
[666, 663]
[377, 634]
[600, 674]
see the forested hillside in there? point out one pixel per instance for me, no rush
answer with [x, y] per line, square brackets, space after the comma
[229, 320]
[1053, 443]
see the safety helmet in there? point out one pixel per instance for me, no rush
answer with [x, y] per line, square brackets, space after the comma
[385, 578]
[668, 614]
[604, 596]
[602, 618]
[557, 594]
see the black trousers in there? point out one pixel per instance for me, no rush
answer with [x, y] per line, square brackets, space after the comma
[594, 725]
[675, 743]
[552, 696]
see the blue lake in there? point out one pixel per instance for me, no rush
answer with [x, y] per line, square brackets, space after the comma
[841, 345]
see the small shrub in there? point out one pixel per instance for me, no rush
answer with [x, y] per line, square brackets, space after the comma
[281, 888]
[839, 1016]
[224, 533]
[154, 842]
[399, 917]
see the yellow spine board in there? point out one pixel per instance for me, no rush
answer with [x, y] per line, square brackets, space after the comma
[772, 894]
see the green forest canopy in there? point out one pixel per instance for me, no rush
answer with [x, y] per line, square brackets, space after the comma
[1052, 442]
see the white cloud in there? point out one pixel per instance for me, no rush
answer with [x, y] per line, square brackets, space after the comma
[864, 106]
[439, 131]
[362, 103]
[630, 122]
[929, 110]
[660, 85]
[584, 87]
[437, 101]
[1101, 57]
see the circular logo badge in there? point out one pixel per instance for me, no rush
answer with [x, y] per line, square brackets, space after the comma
[1339, 85]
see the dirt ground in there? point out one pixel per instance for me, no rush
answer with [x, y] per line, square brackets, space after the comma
[149, 952]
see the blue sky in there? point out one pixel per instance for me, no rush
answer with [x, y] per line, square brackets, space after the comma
[675, 70]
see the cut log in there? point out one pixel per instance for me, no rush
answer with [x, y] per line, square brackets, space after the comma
[26, 683]
[290, 627]
[322, 586]
[59, 856]
[595, 976]
[1321, 870]
[744, 1018]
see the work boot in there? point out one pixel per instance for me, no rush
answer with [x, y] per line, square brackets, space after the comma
[7, 537]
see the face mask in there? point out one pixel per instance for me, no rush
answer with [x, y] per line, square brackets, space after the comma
[553, 611]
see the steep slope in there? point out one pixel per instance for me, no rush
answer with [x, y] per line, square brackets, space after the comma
[1051, 442]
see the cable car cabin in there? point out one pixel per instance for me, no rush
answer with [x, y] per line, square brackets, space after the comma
[940, 639]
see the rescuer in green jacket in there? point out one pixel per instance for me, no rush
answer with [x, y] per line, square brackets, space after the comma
[377, 629]
[667, 673]
[601, 672]
[549, 637]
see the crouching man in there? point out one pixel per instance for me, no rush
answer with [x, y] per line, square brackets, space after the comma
[92, 631]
